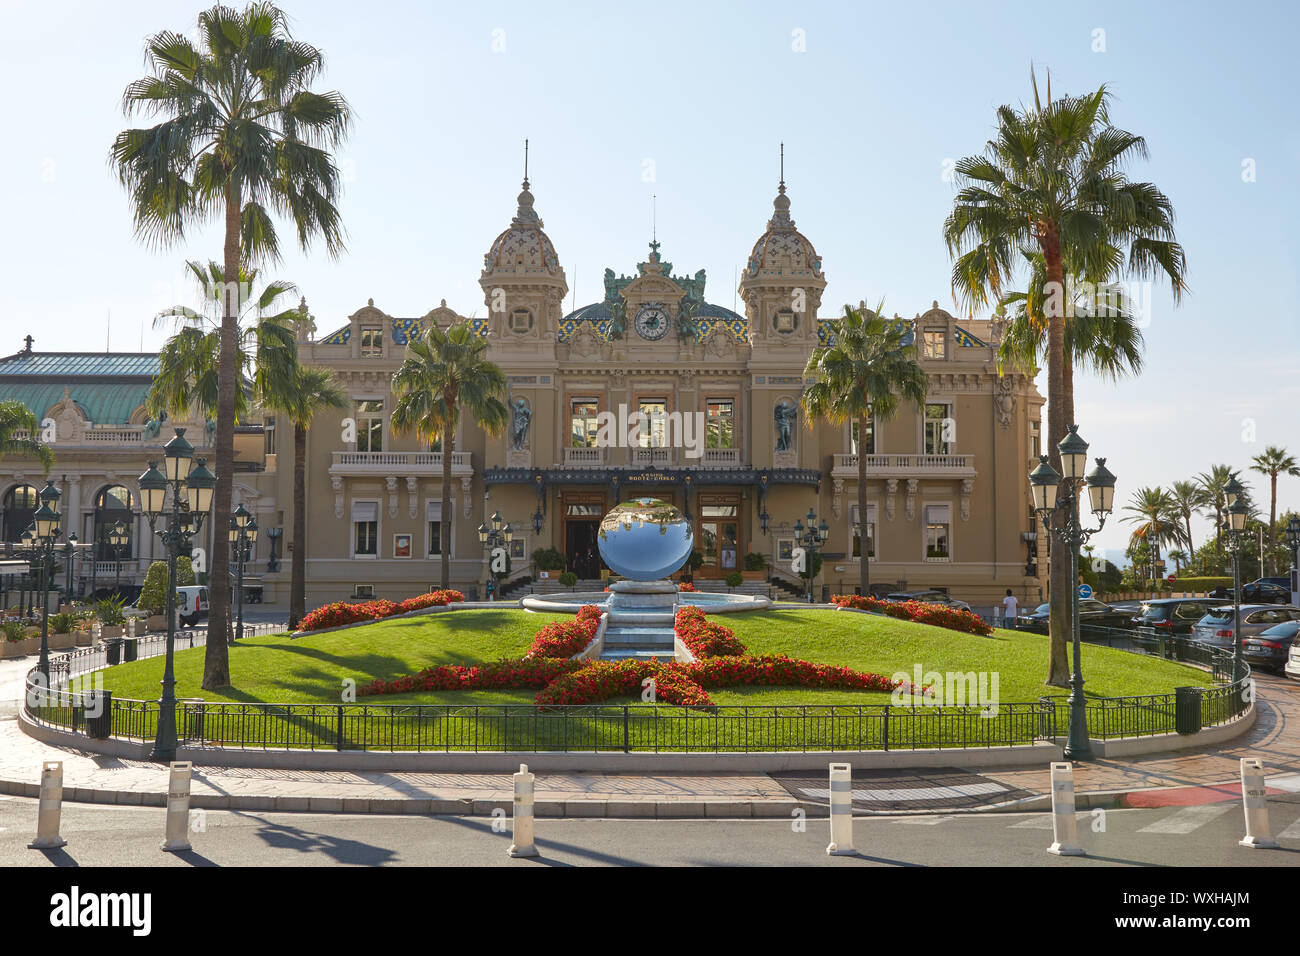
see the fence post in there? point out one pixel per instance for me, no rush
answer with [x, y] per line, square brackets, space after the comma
[841, 844]
[50, 808]
[176, 838]
[522, 823]
[338, 736]
[1065, 831]
[1253, 796]
[626, 746]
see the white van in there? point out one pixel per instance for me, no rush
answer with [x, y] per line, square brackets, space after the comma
[191, 604]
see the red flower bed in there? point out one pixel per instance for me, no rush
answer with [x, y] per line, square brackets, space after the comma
[919, 612]
[499, 675]
[563, 639]
[686, 586]
[703, 637]
[602, 680]
[344, 612]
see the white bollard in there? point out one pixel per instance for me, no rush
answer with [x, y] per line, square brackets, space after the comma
[841, 811]
[1065, 831]
[177, 838]
[1255, 800]
[50, 808]
[522, 824]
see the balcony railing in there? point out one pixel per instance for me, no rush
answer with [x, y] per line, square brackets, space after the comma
[583, 457]
[406, 462]
[659, 457]
[906, 466]
[722, 457]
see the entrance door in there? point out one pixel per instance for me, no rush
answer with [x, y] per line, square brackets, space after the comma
[718, 535]
[582, 514]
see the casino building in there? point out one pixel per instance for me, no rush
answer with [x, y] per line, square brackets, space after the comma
[948, 495]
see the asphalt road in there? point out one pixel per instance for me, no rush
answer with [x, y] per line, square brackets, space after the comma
[1170, 836]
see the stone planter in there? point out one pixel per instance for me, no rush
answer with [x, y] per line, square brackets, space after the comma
[759, 575]
[10, 649]
[114, 631]
[61, 642]
[83, 638]
[157, 623]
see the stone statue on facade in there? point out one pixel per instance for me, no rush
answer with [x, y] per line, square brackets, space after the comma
[784, 414]
[521, 418]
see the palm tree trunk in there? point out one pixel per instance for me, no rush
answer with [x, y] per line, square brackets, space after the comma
[444, 529]
[216, 659]
[1060, 410]
[1272, 527]
[864, 574]
[298, 579]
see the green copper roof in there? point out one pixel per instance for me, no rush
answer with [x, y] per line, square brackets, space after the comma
[64, 364]
[108, 386]
[103, 404]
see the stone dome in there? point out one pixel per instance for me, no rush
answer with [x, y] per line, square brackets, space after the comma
[783, 249]
[523, 248]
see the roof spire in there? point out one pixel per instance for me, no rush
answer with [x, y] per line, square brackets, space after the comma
[781, 187]
[525, 163]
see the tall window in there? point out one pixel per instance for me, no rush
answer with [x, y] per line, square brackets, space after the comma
[720, 423]
[372, 340]
[856, 530]
[938, 430]
[370, 425]
[934, 343]
[653, 432]
[439, 532]
[268, 429]
[19, 506]
[1035, 439]
[938, 532]
[365, 529]
[583, 425]
[870, 444]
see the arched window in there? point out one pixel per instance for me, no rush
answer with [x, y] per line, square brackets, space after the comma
[113, 504]
[19, 506]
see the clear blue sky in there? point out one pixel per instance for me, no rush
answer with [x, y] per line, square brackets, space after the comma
[869, 111]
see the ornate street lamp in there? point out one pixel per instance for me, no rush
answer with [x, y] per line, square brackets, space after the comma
[1048, 487]
[192, 486]
[1293, 539]
[1237, 513]
[810, 537]
[45, 530]
[495, 536]
[272, 561]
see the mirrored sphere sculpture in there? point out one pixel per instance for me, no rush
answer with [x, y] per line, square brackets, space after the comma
[645, 539]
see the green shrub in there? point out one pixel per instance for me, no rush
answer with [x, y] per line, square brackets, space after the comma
[153, 596]
[14, 630]
[696, 561]
[568, 579]
[63, 622]
[548, 559]
[755, 561]
[734, 579]
[1199, 584]
[109, 611]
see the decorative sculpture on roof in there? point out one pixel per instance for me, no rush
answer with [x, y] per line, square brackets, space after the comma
[785, 414]
[521, 418]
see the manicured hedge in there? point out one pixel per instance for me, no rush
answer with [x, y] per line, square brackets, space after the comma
[344, 612]
[1200, 584]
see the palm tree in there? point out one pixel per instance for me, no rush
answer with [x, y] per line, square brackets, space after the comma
[1188, 498]
[1157, 520]
[863, 370]
[1178, 556]
[242, 135]
[314, 388]
[443, 374]
[1052, 181]
[18, 430]
[1275, 461]
[188, 379]
[1212, 483]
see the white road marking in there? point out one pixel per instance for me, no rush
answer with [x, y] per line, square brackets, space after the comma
[1290, 783]
[1190, 818]
[926, 821]
[914, 793]
[1290, 833]
[1043, 821]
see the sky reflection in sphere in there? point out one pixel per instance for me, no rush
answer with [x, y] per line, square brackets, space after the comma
[645, 539]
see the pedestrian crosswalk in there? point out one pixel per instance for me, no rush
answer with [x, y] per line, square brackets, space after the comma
[1189, 818]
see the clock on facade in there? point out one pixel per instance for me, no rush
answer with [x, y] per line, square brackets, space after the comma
[652, 322]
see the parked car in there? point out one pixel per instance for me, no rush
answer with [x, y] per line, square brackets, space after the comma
[928, 597]
[1271, 649]
[191, 604]
[1259, 591]
[1091, 612]
[1173, 615]
[1217, 626]
[1292, 666]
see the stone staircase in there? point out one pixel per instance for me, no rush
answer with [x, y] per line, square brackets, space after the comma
[640, 621]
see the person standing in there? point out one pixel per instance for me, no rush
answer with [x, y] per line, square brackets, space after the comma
[1010, 610]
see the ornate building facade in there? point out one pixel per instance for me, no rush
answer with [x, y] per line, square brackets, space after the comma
[722, 435]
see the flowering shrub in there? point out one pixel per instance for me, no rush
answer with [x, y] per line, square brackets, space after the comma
[919, 612]
[499, 675]
[602, 680]
[563, 639]
[686, 586]
[702, 637]
[344, 612]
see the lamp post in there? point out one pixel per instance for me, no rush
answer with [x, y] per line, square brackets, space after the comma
[272, 561]
[810, 539]
[243, 532]
[196, 485]
[1049, 487]
[1293, 539]
[69, 552]
[45, 527]
[117, 537]
[493, 537]
[1236, 526]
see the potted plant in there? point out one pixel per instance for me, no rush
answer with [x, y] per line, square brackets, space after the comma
[14, 641]
[111, 618]
[755, 566]
[568, 579]
[61, 626]
[734, 579]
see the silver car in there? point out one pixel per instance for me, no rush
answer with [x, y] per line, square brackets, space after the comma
[1217, 626]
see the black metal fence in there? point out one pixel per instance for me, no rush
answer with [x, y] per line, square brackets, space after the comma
[640, 727]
